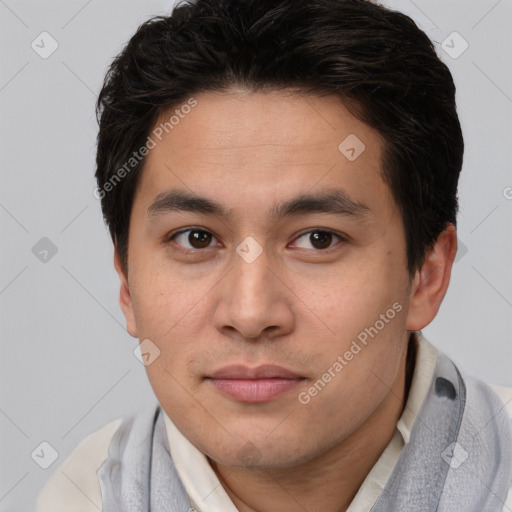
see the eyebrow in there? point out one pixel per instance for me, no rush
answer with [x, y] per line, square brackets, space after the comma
[335, 201]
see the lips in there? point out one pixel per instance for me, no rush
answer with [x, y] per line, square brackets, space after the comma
[267, 371]
[253, 385]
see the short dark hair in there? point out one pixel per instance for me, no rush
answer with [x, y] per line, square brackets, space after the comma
[376, 60]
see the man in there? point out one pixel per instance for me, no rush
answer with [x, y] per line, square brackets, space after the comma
[280, 182]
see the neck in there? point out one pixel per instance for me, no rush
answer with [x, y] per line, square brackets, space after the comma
[330, 481]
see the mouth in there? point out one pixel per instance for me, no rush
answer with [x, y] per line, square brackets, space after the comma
[254, 385]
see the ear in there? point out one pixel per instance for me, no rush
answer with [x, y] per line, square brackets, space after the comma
[125, 298]
[431, 282]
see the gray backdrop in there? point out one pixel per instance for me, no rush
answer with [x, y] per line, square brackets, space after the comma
[67, 364]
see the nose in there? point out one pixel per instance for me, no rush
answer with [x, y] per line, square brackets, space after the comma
[253, 301]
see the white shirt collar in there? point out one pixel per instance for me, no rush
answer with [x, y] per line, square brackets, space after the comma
[426, 359]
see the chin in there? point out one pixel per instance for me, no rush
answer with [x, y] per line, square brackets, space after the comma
[256, 455]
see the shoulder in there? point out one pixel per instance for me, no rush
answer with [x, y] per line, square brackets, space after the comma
[505, 395]
[74, 484]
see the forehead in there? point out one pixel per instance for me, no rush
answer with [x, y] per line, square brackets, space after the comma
[283, 119]
[261, 143]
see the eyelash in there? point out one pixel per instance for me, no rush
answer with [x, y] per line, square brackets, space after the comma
[171, 236]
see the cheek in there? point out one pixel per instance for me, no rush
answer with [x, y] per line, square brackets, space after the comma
[363, 314]
[351, 297]
[355, 377]
[163, 301]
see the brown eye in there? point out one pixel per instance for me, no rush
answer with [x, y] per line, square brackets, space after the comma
[318, 239]
[321, 239]
[193, 238]
[199, 239]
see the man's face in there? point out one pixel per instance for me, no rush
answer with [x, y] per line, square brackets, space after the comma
[263, 284]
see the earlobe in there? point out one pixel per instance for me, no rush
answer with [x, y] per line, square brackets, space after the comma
[125, 298]
[431, 282]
